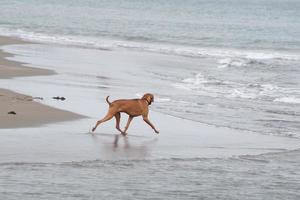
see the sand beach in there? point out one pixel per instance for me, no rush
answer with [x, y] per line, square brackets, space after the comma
[28, 111]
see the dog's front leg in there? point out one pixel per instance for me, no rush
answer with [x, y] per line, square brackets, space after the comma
[145, 118]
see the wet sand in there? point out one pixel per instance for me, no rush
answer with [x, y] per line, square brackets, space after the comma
[10, 69]
[28, 111]
[86, 85]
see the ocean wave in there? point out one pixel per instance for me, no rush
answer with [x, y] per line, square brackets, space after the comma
[238, 62]
[227, 56]
[265, 157]
[199, 82]
[219, 88]
[79, 41]
[254, 91]
[130, 162]
[227, 62]
[120, 162]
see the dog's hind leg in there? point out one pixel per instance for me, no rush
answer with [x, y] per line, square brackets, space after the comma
[118, 117]
[106, 118]
[127, 125]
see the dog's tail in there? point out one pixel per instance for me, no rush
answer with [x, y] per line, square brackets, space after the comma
[109, 103]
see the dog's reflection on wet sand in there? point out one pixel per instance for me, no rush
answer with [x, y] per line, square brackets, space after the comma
[125, 139]
[123, 146]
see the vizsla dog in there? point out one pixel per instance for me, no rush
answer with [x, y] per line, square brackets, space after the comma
[132, 107]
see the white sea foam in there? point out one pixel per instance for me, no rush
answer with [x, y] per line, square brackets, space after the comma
[242, 93]
[228, 89]
[195, 81]
[198, 82]
[162, 100]
[292, 100]
[227, 62]
[156, 98]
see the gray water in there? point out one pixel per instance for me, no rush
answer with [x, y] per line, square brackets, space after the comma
[263, 24]
[233, 64]
[269, 176]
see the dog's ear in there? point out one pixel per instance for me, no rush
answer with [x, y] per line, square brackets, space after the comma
[149, 99]
[144, 96]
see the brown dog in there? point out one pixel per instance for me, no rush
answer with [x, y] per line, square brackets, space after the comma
[133, 107]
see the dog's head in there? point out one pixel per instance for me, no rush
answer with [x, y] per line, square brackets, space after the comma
[149, 98]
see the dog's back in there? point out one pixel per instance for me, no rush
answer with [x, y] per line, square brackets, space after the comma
[132, 107]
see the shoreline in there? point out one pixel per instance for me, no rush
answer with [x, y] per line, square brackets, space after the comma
[28, 112]
[11, 69]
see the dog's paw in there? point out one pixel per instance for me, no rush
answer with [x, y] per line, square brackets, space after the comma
[156, 131]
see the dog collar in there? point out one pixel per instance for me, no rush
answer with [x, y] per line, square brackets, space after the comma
[147, 101]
